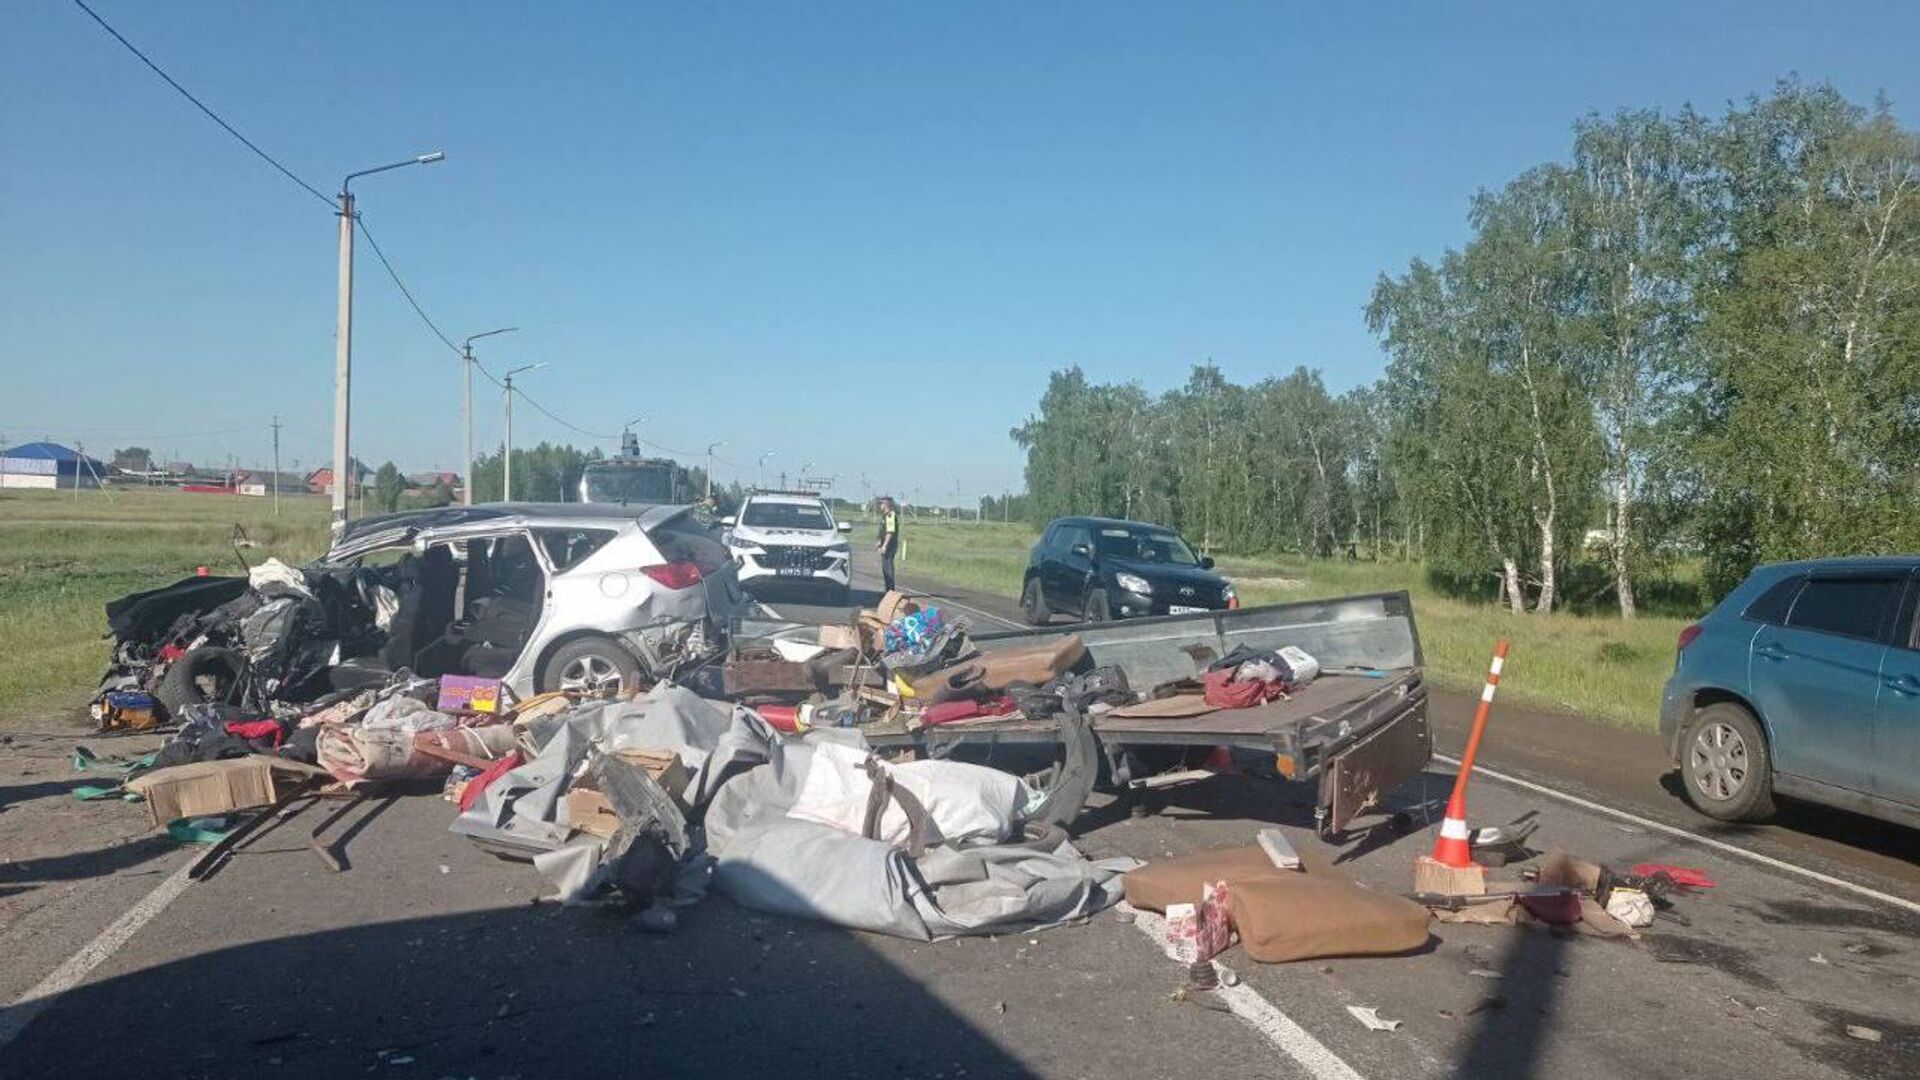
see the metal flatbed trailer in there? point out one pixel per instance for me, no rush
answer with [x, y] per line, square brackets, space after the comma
[1358, 731]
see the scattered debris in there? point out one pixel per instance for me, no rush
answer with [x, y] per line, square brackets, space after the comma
[1371, 1018]
[1863, 1033]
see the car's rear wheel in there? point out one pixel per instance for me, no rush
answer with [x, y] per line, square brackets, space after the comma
[592, 665]
[1725, 765]
[1033, 603]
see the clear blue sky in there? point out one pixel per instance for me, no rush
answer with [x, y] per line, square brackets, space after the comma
[856, 234]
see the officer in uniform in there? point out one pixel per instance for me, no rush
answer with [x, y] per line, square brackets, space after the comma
[889, 543]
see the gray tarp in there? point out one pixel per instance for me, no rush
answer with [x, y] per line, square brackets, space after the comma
[770, 862]
[765, 859]
[524, 808]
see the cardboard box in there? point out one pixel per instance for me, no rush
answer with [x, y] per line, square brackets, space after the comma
[217, 787]
[1436, 877]
[839, 637]
[588, 809]
[468, 693]
[664, 766]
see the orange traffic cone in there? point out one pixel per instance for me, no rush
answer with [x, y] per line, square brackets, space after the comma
[1454, 848]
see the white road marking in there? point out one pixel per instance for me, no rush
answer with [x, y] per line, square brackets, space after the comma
[767, 610]
[968, 607]
[1262, 1015]
[1708, 841]
[81, 964]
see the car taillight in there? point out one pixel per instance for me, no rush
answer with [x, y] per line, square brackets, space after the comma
[1233, 603]
[674, 575]
[1687, 635]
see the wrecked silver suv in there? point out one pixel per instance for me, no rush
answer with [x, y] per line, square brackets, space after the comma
[548, 596]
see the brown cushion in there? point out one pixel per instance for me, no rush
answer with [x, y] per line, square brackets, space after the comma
[1293, 916]
[1179, 881]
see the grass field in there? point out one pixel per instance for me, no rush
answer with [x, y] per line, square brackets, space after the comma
[1593, 665]
[62, 558]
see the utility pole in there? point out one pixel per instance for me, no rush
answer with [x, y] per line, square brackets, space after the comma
[711, 447]
[343, 363]
[506, 459]
[343, 340]
[466, 406]
[276, 464]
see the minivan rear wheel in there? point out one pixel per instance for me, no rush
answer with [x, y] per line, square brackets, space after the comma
[591, 665]
[1725, 765]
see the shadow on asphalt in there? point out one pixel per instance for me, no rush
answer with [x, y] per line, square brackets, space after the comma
[1828, 823]
[79, 865]
[529, 991]
[1514, 1018]
[21, 793]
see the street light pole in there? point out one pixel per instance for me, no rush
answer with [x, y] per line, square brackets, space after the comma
[760, 470]
[506, 459]
[711, 447]
[343, 362]
[343, 340]
[466, 405]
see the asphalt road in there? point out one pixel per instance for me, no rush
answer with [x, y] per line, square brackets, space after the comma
[428, 957]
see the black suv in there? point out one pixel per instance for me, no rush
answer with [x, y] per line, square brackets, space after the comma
[1099, 568]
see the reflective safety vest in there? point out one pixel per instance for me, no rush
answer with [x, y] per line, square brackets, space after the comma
[890, 526]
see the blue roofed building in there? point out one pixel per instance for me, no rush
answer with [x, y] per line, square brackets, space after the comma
[49, 466]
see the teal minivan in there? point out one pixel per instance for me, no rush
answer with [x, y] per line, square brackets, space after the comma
[1803, 682]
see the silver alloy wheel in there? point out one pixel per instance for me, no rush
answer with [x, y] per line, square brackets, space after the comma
[1718, 761]
[589, 673]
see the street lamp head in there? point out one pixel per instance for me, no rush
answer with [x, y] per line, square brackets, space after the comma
[503, 330]
[428, 159]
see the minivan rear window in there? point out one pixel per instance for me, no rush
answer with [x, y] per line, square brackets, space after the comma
[1773, 605]
[1850, 607]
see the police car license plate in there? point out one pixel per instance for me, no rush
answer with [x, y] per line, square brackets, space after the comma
[1184, 609]
[793, 571]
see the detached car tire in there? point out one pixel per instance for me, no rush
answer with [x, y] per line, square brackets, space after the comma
[206, 674]
[592, 664]
[1726, 766]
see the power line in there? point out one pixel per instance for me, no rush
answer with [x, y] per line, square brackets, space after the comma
[487, 375]
[202, 106]
[387, 264]
[548, 413]
[401, 285]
